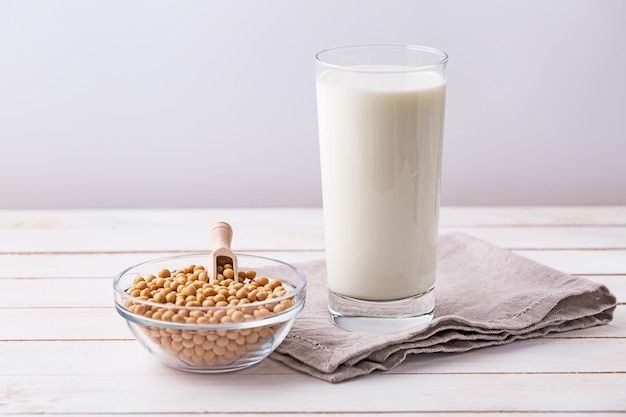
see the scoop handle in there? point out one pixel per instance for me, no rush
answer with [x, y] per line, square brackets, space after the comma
[221, 235]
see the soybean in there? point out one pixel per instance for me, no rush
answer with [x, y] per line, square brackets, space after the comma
[190, 287]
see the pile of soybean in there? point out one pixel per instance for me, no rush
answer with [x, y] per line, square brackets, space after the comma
[183, 292]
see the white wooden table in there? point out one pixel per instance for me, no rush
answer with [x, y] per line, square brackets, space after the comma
[65, 351]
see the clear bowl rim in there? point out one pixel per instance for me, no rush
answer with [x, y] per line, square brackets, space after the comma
[298, 293]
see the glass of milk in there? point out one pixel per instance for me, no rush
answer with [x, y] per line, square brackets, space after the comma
[381, 119]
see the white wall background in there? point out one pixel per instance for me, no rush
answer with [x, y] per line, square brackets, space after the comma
[212, 103]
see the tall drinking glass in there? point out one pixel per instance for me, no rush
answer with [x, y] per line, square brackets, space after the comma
[381, 119]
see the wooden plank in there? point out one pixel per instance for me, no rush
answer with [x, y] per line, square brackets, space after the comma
[105, 265]
[176, 230]
[140, 219]
[355, 414]
[105, 324]
[94, 357]
[97, 291]
[62, 324]
[540, 238]
[360, 414]
[49, 358]
[533, 216]
[242, 217]
[279, 236]
[189, 393]
[56, 293]
[579, 262]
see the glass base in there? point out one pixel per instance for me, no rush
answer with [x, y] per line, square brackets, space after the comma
[381, 316]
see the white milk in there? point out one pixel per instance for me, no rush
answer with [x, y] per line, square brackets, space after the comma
[380, 145]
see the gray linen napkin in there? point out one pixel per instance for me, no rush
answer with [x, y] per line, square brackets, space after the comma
[485, 296]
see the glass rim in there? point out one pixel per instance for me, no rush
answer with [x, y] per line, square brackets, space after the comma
[298, 290]
[443, 57]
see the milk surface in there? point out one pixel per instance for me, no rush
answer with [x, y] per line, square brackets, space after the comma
[381, 145]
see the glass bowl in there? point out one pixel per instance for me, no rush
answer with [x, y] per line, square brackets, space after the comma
[209, 338]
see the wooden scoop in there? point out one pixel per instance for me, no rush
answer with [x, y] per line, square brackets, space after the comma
[221, 235]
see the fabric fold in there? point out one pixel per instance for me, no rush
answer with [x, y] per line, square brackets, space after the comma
[485, 296]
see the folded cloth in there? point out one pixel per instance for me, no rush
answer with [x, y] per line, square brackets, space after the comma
[485, 296]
